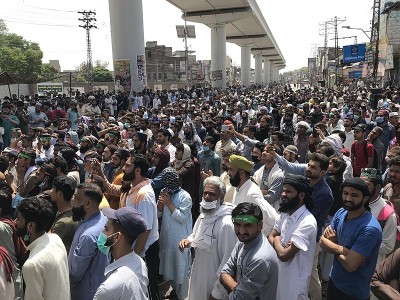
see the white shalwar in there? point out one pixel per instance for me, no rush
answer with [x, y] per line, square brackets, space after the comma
[213, 239]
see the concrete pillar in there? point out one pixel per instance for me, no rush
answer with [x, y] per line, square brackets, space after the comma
[127, 37]
[258, 74]
[273, 73]
[267, 71]
[245, 66]
[218, 56]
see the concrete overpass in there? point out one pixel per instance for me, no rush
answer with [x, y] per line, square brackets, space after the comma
[242, 23]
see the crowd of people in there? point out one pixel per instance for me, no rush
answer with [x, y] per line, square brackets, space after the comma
[244, 193]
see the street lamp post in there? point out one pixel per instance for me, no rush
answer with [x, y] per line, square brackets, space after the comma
[356, 28]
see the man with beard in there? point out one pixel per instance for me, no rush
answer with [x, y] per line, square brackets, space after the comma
[391, 191]
[126, 276]
[288, 128]
[38, 118]
[256, 153]
[300, 140]
[143, 124]
[61, 194]
[294, 238]
[269, 178]
[138, 193]
[211, 131]
[252, 270]
[163, 140]
[213, 240]
[46, 149]
[140, 143]
[382, 211]
[106, 163]
[45, 272]
[86, 263]
[247, 191]
[226, 142]
[354, 236]
[118, 161]
[348, 123]
[85, 146]
[262, 131]
[321, 195]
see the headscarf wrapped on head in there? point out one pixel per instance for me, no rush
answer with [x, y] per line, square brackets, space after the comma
[336, 142]
[171, 181]
[186, 157]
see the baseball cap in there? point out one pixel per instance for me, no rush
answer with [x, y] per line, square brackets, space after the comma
[129, 219]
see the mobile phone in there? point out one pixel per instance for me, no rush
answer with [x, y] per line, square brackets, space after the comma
[225, 128]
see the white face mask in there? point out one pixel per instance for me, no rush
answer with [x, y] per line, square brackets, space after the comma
[208, 205]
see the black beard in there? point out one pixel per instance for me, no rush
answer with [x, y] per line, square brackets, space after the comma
[128, 176]
[289, 205]
[355, 207]
[84, 149]
[78, 213]
[46, 147]
[21, 231]
[235, 181]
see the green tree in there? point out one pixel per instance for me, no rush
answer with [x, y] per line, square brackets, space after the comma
[48, 73]
[100, 72]
[19, 57]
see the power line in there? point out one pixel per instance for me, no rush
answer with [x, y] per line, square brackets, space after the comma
[44, 8]
[39, 24]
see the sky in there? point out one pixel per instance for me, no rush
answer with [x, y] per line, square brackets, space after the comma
[294, 24]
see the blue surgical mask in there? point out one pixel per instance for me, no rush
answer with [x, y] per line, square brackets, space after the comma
[206, 148]
[356, 117]
[53, 141]
[380, 120]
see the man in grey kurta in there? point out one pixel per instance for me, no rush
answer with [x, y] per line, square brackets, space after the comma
[252, 270]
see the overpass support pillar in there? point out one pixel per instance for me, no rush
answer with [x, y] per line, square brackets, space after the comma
[245, 65]
[127, 38]
[258, 75]
[267, 72]
[218, 56]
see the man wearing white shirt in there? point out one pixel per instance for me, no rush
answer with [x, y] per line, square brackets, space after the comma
[126, 277]
[347, 123]
[294, 238]
[163, 139]
[248, 191]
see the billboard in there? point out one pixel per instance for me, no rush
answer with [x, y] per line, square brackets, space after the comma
[141, 69]
[353, 53]
[355, 74]
[49, 87]
[122, 74]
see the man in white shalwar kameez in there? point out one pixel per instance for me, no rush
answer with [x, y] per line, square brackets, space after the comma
[213, 239]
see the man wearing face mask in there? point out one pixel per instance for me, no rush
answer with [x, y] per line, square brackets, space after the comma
[45, 272]
[126, 276]
[213, 239]
[256, 153]
[86, 263]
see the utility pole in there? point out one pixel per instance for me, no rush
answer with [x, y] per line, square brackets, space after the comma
[88, 23]
[375, 38]
[337, 62]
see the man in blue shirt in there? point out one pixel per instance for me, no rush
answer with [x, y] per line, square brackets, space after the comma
[354, 236]
[85, 261]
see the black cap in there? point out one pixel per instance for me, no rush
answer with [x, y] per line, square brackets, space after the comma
[358, 184]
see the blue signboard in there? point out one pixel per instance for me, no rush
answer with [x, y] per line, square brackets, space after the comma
[355, 74]
[353, 53]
